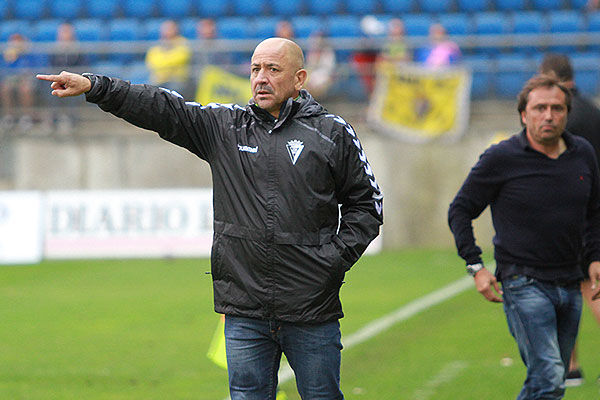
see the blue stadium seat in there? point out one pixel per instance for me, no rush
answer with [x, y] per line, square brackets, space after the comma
[45, 30]
[586, 68]
[324, 7]
[361, 7]
[473, 6]
[249, 8]
[343, 26]
[306, 25]
[286, 8]
[511, 5]
[456, 23]
[11, 26]
[566, 21]
[175, 8]
[232, 28]
[490, 23]
[482, 73]
[109, 68]
[30, 9]
[68, 9]
[151, 28]
[102, 8]
[578, 4]
[137, 73]
[546, 5]
[138, 8]
[125, 29]
[264, 27]
[188, 27]
[528, 23]
[436, 6]
[594, 21]
[398, 6]
[90, 30]
[212, 8]
[513, 70]
[5, 8]
[417, 24]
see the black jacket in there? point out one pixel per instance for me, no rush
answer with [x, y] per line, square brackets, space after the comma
[280, 249]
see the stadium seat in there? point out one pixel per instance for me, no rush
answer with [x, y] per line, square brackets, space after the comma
[546, 5]
[5, 8]
[586, 71]
[30, 9]
[264, 27]
[398, 6]
[248, 8]
[306, 25]
[68, 9]
[138, 8]
[45, 30]
[567, 21]
[90, 30]
[487, 24]
[436, 6]
[11, 26]
[473, 6]
[361, 7]
[577, 4]
[151, 28]
[510, 5]
[343, 26]
[125, 29]
[286, 8]
[481, 66]
[175, 9]
[102, 8]
[324, 7]
[232, 28]
[593, 22]
[109, 68]
[188, 27]
[137, 73]
[417, 24]
[456, 23]
[212, 8]
[512, 71]
[528, 23]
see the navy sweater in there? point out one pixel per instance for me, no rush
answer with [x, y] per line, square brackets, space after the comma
[539, 207]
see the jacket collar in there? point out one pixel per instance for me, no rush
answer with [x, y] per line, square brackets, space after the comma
[303, 105]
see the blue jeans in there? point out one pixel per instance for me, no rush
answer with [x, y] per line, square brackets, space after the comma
[254, 349]
[544, 320]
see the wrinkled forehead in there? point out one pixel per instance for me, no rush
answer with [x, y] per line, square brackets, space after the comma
[546, 95]
[279, 52]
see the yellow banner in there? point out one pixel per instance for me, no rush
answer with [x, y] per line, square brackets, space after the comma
[220, 86]
[420, 104]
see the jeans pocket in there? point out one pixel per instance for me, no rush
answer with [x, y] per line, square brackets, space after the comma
[515, 282]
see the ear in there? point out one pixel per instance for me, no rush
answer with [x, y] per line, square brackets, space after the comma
[301, 75]
[523, 118]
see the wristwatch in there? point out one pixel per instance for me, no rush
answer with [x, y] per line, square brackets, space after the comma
[472, 269]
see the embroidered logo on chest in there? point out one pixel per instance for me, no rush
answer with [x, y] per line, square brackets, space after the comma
[294, 148]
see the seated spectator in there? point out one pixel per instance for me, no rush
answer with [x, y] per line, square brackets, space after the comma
[442, 50]
[395, 49]
[67, 53]
[320, 64]
[18, 82]
[284, 29]
[169, 61]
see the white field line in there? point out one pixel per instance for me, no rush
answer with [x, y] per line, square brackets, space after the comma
[384, 323]
[447, 374]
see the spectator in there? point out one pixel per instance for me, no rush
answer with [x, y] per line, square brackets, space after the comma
[284, 29]
[320, 65]
[169, 61]
[67, 53]
[584, 120]
[17, 86]
[395, 49]
[442, 51]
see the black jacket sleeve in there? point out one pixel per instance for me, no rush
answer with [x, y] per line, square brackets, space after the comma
[185, 124]
[358, 193]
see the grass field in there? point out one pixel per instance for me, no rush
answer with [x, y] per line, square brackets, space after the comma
[140, 329]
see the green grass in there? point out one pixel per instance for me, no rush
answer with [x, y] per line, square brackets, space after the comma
[140, 329]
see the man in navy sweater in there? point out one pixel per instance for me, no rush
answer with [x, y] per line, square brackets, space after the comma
[543, 188]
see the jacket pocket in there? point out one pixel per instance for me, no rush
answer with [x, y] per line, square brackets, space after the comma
[216, 256]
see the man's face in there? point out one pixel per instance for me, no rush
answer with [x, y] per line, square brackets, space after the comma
[545, 115]
[273, 77]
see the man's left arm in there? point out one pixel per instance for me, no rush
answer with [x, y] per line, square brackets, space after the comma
[360, 197]
[594, 272]
[592, 232]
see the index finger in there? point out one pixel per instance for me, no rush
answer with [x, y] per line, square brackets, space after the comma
[51, 78]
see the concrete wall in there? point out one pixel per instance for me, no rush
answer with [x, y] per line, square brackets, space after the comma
[418, 180]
